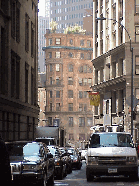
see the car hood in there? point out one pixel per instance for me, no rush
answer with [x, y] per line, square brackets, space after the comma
[111, 151]
[31, 159]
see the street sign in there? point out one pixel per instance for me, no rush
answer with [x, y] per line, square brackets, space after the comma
[135, 101]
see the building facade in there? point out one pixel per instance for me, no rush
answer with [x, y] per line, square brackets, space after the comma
[43, 24]
[69, 74]
[42, 99]
[69, 12]
[18, 72]
[112, 60]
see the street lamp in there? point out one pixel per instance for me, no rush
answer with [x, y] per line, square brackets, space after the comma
[131, 50]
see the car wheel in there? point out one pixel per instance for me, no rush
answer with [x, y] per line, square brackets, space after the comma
[79, 166]
[51, 180]
[89, 178]
[44, 181]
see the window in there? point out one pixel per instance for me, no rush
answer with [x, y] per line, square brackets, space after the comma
[70, 121]
[70, 81]
[88, 43]
[50, 67]
[70, 68]
[51, 81]
[137, 33]
[82, 42]
[137, 65]
[85, 107]
[50, 54]
[88, 56]
[50, 121]
[57, 106]
[50, 93]
[82, 137]
[32, 85]
[70, 55]
[57, 80]
[15, 18]
[80, 107]
[58, 55]
[84, 81]
[57, 67]
[81, 56]
[70, 106]
[137, 6]
[80, 94]
[57, 94]
[89, 81]
[71, 41]
[15, 75]
[26, 32]
[85, 94]
[26, 82]
[89, 121]
[85, 69]
[80, 82]
[107, 107]
[57, 41]
[81, 121]
[51, 107]
[70, 93]
[32, 39]
[71, 137]
[50, 41]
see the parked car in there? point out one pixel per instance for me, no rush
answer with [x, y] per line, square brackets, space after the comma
[60, 165]
[83, 154]
[31, 161]
[67, 159]
[76, 158]
[5, 170]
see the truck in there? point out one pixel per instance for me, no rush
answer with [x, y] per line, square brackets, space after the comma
[50, 135]
[111, 154]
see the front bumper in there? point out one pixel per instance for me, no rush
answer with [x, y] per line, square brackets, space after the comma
[109, 170]
[58, 170]
[27, 176]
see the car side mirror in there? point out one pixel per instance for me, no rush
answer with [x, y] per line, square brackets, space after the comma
[79, 153]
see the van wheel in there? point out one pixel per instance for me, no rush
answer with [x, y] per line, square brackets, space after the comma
[134, 177]
[89, 178]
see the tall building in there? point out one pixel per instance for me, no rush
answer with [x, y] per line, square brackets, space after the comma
[18, 73]
[69, 76]
[112, 61]
[69, 12]
[47, 8]
[43, 24]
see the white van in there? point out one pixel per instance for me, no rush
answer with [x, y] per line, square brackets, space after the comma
[110, 154]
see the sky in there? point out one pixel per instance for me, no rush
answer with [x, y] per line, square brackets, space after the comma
[41, 7]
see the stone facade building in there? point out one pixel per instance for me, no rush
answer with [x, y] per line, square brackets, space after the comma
[112, 61]
[69, 74]
[18, 69]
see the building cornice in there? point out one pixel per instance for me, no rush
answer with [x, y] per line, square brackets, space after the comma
[108, 53]
[114, 81]
[66, 47]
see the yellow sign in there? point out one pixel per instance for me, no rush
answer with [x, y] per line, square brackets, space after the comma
[94, 98]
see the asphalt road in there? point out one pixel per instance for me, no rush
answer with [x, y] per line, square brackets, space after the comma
[78, 178]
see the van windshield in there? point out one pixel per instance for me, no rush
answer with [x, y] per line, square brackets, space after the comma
[110, 140]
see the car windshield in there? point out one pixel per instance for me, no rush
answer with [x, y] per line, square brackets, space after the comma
[110, 140]
[31, 149]
[54, 151]
[72, 152]
[47, 141]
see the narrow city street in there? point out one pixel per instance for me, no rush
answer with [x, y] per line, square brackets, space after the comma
[78, 178]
